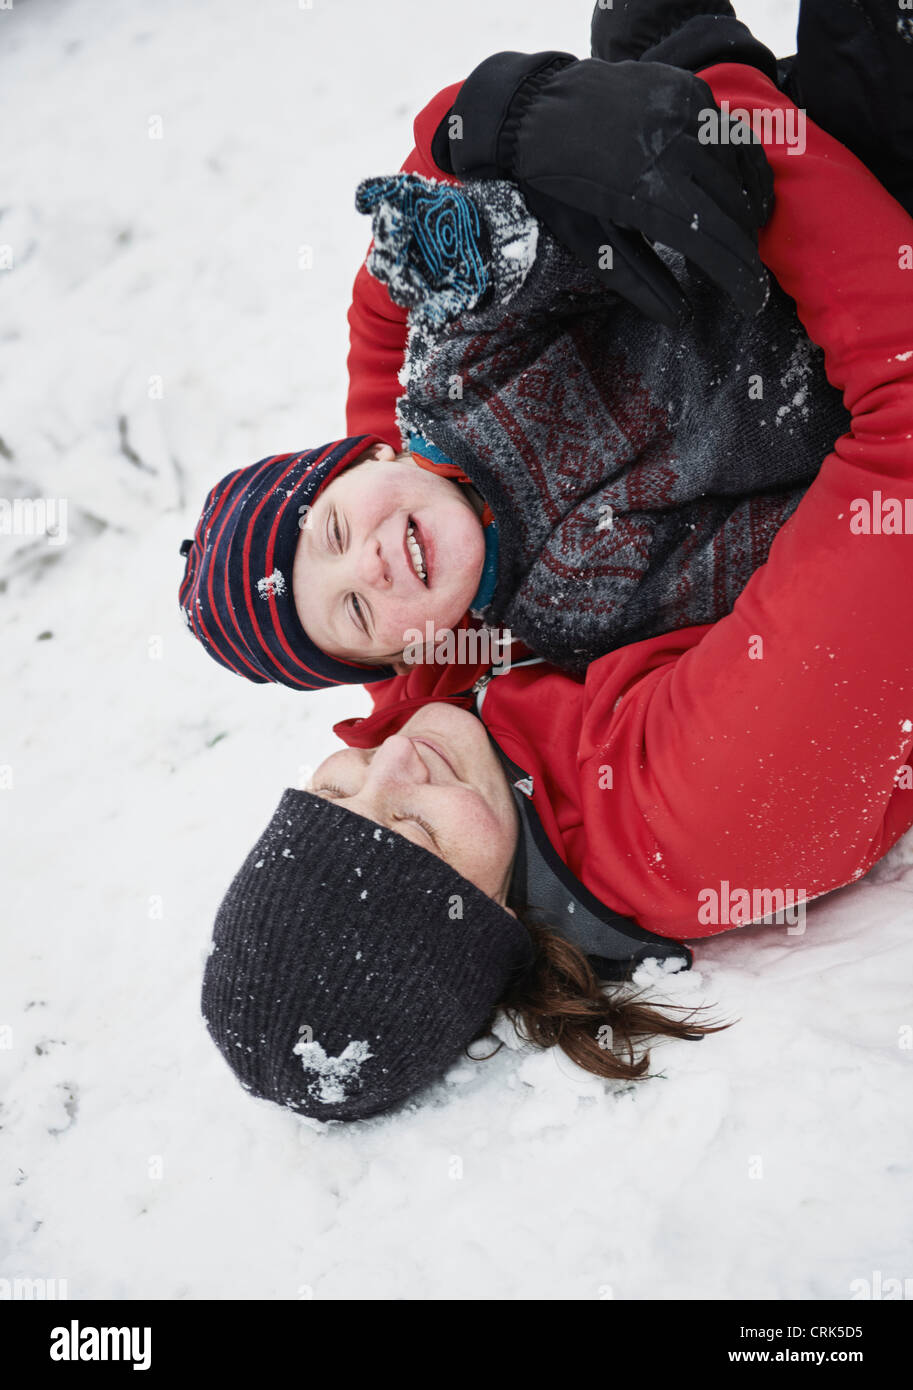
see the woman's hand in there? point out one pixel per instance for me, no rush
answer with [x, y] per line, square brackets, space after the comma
[692, 34]
[608, 154]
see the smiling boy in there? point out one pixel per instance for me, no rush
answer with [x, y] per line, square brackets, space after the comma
[310, 569]
[388, 546]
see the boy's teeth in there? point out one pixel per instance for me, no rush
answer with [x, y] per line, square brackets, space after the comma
[415, 552]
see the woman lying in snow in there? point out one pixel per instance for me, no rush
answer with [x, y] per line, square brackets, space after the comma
[455, 859]
[633, 477]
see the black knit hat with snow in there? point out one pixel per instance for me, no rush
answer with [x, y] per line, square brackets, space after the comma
[350, 967]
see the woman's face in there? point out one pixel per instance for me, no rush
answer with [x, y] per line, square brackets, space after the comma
[386, 547]
[439, 783]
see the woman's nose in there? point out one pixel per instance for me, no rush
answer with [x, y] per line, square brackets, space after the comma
[395, 761]
[372, 569]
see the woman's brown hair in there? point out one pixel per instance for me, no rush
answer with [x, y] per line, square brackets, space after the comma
[561, 1001]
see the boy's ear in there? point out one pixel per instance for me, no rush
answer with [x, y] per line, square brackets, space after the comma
[380, 451]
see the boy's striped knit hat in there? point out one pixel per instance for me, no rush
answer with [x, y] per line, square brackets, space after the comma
[349, 966]
[236, 595]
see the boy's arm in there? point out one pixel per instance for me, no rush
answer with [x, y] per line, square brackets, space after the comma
[377, 326]
[529, 118]
[763, 750]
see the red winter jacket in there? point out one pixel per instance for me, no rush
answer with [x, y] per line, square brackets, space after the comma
[769, 750]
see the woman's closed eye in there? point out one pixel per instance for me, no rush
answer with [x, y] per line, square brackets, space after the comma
[336, 794]
[422, 823]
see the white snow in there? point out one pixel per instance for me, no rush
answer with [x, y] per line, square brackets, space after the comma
[271, 585]
[335, 1075]
[515, 239]
[797, 371]
[194, 287]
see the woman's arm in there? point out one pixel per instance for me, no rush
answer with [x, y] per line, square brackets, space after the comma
[764, 750]
[377, 326]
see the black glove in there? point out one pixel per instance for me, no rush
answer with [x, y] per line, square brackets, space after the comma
[692, 34]
[607, 154]
[623, 30]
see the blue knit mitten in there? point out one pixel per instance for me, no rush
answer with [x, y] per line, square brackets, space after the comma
[440, 251]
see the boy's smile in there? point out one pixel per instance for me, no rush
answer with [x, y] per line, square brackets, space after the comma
[387, 547]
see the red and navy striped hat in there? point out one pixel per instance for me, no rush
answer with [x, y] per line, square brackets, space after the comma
[236, 595]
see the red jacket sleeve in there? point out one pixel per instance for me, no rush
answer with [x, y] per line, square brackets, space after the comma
[377, 326]
[763, 752]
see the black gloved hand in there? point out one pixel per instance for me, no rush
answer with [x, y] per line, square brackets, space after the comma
[607, 154]
[692, 34]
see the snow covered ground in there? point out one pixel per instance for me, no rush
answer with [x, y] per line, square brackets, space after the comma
[163, 167]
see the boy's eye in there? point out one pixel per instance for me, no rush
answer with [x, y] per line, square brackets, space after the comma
[328, 787]
[334, 533]
[358, 616]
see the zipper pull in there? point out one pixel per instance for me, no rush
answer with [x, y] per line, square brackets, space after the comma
[525, 785]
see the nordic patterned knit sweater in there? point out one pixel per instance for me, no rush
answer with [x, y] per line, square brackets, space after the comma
[637, 476]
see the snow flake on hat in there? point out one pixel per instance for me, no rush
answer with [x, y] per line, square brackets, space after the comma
[272, 585]
[336, 1076]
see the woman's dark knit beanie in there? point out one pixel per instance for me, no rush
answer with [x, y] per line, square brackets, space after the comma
[349, 967]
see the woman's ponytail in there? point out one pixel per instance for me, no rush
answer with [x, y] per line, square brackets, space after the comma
[561, 1001]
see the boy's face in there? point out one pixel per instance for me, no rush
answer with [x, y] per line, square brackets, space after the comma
[386, 547]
